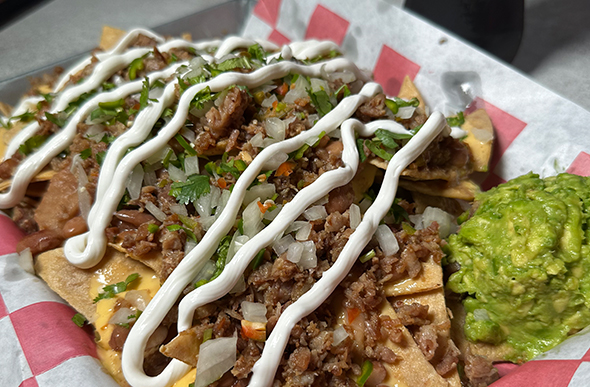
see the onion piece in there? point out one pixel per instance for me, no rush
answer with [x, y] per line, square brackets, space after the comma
[122, 316]
[365, 204]
[252, 219]
[294, 252]
[303, 233]
[25, 260]
[271, 214]
[188, 134]
[207, 221]
[149, 175]
[262, 191]
[482, 135]
[191, 165]
[155, 211]
[179, 209]
[239, 287]
[417, 221]
[206, 272]
[296, 225]
[315, 213]
[159, 155]
[256, 141]
[275, 128]
[237, 241]
[275, 160]
[95, 132]
[446, 221]
[267, 102]
[189, 245]
[308, 258]
[283, 244]
[254, 311]
[216, 357]
[134, 182]
[176, 174]
[405, 112]
[354, 213]
[138, 298]
[387, 240]
[340, 334]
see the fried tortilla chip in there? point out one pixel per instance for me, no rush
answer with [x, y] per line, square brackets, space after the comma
[437, 311]
[430, 278]
[363, 180]
[480, 136]
[409, 90]
[466, 190]
[110, 37]
[152, 259]
[43, 176]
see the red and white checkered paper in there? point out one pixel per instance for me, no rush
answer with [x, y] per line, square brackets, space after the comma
[536, 130]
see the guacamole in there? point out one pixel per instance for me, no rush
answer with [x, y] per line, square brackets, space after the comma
[525, 263]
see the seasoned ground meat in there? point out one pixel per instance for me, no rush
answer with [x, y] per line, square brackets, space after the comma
[479, 370]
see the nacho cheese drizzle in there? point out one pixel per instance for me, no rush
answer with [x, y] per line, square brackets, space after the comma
[86, 250]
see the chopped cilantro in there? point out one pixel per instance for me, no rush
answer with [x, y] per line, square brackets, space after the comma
[25, 117]
[458, 120]
[100, 157]
[79, 319]
[144, 96]
[257, 52]
[388, 138]
[193, 188]
[172, 58]
[106, 86]
[201, 97]
[86, 153]
[153, 228]
[107, 138]
[258, 259]
[189, 233]
[398, 212]
[321, 101]
[31, 144]
[110, 291]
[241, 226]
[233, 63]
[189, 150]
[55, 119]
[221, 255]
[48, 97]
[377, 150]
[344, 89]
[360, 145]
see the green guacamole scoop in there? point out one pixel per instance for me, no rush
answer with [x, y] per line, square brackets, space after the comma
[525, 263]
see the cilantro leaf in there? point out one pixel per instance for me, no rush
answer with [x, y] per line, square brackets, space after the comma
[321, 101]
[456, 121]
[79, 319]
[361, 148]
[100, 157]
[221, 255]
[25, 117]
[388, 138]
[189, 233]
[193, 188]
[55, 119]
[241, 62]
[377, 150]
[86, 153]
[189, 150]
[153, 228]
[201, 97]
[344, 89]
[31, 144]
[106, 86]
[110, 291]
[257, 52]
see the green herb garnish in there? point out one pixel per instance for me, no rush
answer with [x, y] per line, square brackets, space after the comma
[321, 101]
[110, 291]
[193, 188]
[458, 120]
[79, 319]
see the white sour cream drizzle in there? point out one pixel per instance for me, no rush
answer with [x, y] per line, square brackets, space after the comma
[86, 250]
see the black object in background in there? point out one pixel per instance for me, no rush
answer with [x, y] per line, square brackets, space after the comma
[494, 25]
[11, 9]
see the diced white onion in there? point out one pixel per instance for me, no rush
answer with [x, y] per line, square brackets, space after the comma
[149, 175]
[191, 165]
[387, 240]
[179, 209]
[225, 193]
[262, 191]
[323, 200]
[268, 87]
[25, 260]
[122, 316]
[206, 272]
[417, 221]
[252, 219]
[155, 211]
[256, 141]
[296, 225]
[200, 113]
[236, 244]
[354, 214]
[405, 112]
[138, 298]
[312, 118]
[303, 233]
[481, 315]
[85, 202]
[446, 221]
[457, 132]
[365, 204]
[176, 174]
[275, 160]
[189, 245]
[275, 128]
[159, 155]
[315, 213]
[203, 205]
[188, 134]
[294, 252]
[281, 245]
[267, 141]
[308, 258]
[319, 84]
[294, 94]
[95, 132]
[336, 133]
[239, 287]
[215, 193]
[216, 357]
[344, 76]
[482, 135]
[340, 334]
[271, 214]
[269, 101]
[219, 100]
[254, 311]
[134, 182]
[207, 221]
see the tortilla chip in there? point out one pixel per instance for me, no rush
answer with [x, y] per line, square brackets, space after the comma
[110, 37]
[492, 352]
[43, 176]
[5, 109]
[363, 180]
[430, 278]
[452, 206]
[466, 190]
[478, 126]
[151, 259]
[184, 347]
[437, 311]
[412, 369]
[409, 90]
